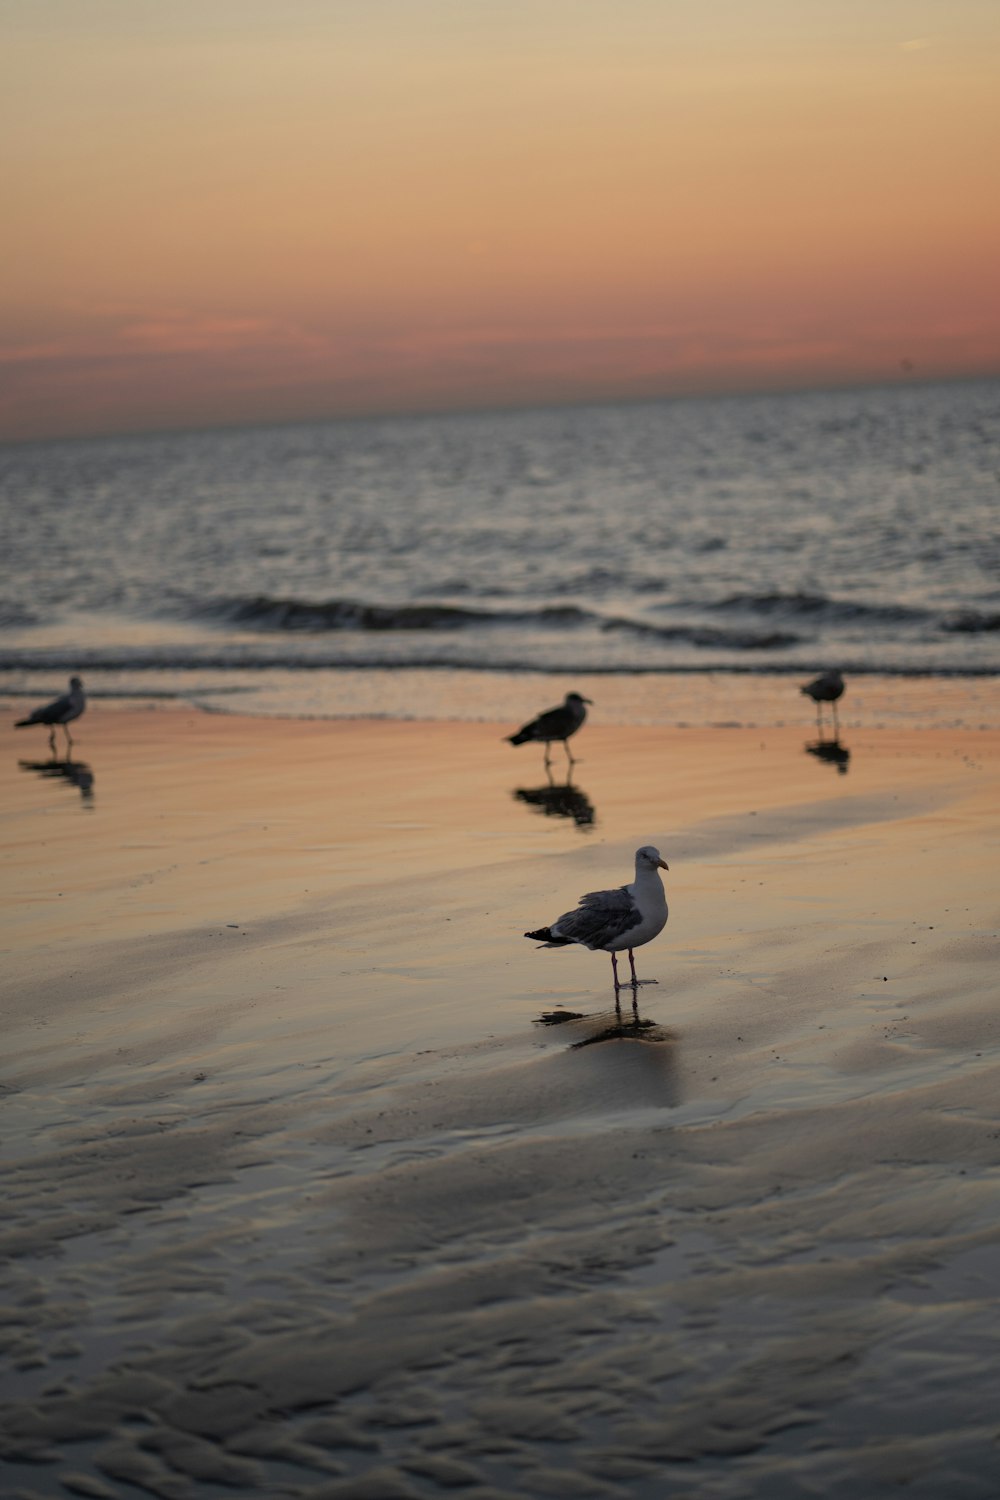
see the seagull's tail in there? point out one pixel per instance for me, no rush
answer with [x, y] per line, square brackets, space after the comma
[546, 935]
[20, 724]
[520, 738]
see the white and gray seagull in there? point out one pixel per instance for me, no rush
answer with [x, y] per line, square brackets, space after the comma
[554, 724]
[60, 711]
[612, 921]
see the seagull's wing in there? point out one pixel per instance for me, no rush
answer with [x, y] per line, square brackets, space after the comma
[551, 725]
[601, 918]
[52, 713]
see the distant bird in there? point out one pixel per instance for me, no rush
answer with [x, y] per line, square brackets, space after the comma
[60, 711]
[611, 921]
[826, 688]
[555, 724]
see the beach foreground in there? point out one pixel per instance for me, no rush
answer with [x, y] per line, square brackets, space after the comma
[305, 1198]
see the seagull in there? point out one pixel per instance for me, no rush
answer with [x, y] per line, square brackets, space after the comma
[609, 921]
[826, 688]
[60, 711]
[554, 724]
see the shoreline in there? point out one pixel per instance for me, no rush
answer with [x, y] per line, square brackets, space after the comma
[701, 698]
[305, 1200]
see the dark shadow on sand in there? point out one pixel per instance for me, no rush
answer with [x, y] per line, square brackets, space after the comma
[559, 800]
[623, 1023]
[833, 752]
[75, 773]
[631, 1076]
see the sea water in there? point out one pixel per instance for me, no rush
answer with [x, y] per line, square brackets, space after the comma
[428, 564]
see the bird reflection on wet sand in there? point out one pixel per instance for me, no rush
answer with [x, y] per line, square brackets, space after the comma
[601, 1027]
[834, 752]
[648, 1074]
[76, 772]
[557, 800]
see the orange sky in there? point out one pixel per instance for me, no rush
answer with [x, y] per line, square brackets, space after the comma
[240, 210]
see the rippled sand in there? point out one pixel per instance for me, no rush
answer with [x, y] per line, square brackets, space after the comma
[304, 1197]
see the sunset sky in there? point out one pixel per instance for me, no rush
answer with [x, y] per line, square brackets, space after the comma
[224, 211]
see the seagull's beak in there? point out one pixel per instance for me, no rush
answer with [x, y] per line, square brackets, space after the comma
[661, 864]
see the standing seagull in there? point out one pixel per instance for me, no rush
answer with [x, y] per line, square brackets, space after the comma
[60, 711]
[826, 688]
[612, 920]
[555, 724]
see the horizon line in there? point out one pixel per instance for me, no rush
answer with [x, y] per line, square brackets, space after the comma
[416, 414]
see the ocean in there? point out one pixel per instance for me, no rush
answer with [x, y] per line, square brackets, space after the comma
[479, 565]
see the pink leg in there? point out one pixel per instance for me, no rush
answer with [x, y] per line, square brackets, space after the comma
[614, 970]
[632, 966]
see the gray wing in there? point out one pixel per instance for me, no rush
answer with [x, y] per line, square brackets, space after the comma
[554, 724]
[602, 917]
[52, 713]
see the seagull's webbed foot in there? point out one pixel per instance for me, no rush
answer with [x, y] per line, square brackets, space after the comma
[635, 980]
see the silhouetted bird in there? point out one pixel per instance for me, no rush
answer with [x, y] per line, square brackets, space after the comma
[612, 921]
[60, 711]
[826, 688]
[555, 724]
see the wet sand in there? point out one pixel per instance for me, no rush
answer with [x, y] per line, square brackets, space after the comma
[303, 1198]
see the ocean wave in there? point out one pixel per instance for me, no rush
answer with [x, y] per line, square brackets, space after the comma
[970, 622]
[16, 617]
[820, 607]
[708, 635]
[142, 661]
[316, 616]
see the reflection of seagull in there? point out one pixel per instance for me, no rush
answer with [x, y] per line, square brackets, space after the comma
[60, 711]
[826, 688]
[555, 724]
[611, 921]
[833, 752]
[560, 802]
[76, 772]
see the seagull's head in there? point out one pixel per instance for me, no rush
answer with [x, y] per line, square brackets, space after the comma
[575, 698]
[648, 858]
[75, 682]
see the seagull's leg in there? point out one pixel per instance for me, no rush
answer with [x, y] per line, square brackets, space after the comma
[52, 739]
[636, 981]
[548, 758]
[69, 739]
[836, 721]
[569, 753]
[614, 970]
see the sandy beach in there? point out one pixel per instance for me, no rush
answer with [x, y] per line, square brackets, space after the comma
[304, 1197]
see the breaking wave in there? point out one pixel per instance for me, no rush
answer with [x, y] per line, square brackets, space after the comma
[266, 614]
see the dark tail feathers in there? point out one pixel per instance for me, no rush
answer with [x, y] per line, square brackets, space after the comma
[518, 739]
[544, 935]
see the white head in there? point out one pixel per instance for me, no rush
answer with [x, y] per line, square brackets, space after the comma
[648, 858]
